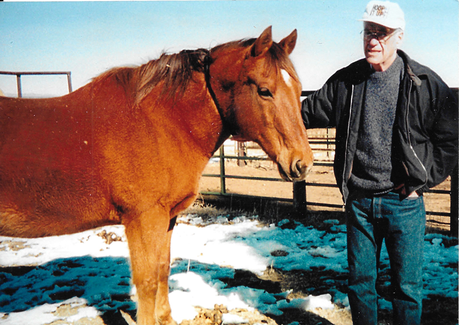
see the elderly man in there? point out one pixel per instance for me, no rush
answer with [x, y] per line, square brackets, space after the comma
[396, 123]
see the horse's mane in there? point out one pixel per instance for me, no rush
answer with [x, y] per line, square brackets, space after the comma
[175, 70]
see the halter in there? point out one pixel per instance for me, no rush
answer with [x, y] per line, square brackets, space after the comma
[228, 125]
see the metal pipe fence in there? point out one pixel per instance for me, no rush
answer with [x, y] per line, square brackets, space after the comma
[299, 200]
[300, 188]
[38, 73]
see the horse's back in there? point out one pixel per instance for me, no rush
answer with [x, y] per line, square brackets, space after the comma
[76, 162]
[48, 183]
[42, 134]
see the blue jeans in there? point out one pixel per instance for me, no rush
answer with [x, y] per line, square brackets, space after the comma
[370, 219]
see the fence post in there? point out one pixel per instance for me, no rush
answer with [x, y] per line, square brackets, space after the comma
[454, 204]
[69, 82]
[18, 82]
[241, 153]
[299, 198]
[222, 170]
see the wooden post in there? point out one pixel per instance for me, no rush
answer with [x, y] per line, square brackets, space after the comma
[241, 153]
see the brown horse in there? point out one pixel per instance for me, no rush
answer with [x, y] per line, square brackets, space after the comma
[129, 148]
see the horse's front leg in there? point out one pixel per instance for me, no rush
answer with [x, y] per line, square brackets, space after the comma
[149, 243]
[163, 309]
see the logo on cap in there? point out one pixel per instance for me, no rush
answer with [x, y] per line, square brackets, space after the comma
[385, 13]
[379, 11]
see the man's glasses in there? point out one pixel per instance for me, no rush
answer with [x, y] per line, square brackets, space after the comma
[380, 36]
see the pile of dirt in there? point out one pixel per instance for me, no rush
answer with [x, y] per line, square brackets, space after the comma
[220, 315]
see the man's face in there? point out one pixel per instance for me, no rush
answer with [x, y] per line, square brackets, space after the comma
[380, 45]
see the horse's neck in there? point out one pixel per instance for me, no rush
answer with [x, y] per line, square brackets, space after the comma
[224, 72]
[193, 116]
[201, 119]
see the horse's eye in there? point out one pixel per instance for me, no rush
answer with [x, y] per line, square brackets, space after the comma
[264, 92]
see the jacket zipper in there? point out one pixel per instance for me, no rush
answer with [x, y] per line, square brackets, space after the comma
[347, 143]
[409, 136]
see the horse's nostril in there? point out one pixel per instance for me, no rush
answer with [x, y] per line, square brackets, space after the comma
[300, 166]
[301, 169]
[298, 170]
[305, 168]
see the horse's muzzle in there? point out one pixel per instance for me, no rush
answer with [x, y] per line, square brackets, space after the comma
[296, 172]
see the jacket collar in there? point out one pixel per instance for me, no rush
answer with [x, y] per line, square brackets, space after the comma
[363, 70]
[409, 64]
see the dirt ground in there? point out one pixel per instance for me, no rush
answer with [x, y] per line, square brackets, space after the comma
[435, 202]
[436, 311]
[300, 283]
[441, 311]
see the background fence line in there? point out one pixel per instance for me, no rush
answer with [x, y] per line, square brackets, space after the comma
[299, 188]
[38, 73]
[299, 199]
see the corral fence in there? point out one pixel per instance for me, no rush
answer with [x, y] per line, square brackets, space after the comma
[323, 146]
[38, 73]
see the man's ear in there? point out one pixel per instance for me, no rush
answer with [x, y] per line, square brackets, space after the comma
[400, 36]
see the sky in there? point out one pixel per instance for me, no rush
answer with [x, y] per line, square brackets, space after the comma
[88, 38]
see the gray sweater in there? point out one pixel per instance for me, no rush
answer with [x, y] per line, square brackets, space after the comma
[372, 170]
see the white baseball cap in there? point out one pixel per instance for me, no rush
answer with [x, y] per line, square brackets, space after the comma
[385, 13]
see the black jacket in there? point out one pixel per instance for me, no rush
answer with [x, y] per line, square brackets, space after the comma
[425, 130]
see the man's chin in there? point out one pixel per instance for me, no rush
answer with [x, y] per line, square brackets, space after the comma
[373, 60]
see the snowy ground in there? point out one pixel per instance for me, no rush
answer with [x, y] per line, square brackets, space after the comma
[90, 270]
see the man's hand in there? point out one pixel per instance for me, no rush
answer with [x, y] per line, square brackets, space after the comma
[402, 190]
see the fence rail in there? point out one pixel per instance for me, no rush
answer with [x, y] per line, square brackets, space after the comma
[299, 188]
[38, 73]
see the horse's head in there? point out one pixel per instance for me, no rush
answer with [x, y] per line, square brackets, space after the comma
[258, 92]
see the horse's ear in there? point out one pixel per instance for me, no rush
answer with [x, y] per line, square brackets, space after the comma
[263, 43]
[288, 43]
